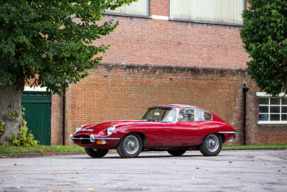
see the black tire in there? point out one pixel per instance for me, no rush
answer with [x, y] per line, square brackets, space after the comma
[176, 152]
[211, 145]
[96, 153]
[130, 146]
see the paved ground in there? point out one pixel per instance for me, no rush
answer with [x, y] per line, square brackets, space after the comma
[153, 171]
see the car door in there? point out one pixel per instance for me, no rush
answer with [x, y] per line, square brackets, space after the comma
[185, 131]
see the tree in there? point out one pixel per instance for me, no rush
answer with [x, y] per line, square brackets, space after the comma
[265, 37]
[49, 41]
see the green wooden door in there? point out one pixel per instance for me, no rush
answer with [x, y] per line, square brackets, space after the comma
[38, 115]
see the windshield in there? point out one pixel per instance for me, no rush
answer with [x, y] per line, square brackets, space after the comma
[156, 113]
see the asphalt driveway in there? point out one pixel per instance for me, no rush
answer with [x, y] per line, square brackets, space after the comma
[238, 170]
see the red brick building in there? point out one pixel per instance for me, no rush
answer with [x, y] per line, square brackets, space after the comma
[169, 51]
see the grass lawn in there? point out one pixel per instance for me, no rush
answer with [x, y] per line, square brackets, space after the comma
[274, 146]
[6, 149]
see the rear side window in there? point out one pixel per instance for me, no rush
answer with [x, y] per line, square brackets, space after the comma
[207, 116]
[202, 115]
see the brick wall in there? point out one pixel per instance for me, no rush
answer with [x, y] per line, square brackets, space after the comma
[261, 134]
[163, 42]
[56, 120]
[114, 92]
[159, 7]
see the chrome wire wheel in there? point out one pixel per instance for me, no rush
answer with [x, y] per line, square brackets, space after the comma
[131, 144]
[212, 143]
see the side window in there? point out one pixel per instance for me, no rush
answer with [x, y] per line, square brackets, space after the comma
[272, 109]
[171, 117]
[186, 115]
[207, 116]
[202, 115]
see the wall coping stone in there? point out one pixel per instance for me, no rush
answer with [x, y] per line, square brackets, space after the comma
[171, 68]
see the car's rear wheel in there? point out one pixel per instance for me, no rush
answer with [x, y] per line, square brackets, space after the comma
[176, 152]
[211, 145]
[130, 146]
[96, 153]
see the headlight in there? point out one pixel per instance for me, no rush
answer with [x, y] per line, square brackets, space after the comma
[79, 128]
[110, 130]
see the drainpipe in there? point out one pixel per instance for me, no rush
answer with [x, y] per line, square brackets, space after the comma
[245, 89]
[64, 115]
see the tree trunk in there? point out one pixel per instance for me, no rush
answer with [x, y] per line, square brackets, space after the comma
[11, 110]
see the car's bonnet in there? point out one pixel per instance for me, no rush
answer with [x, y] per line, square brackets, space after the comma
[105, 125]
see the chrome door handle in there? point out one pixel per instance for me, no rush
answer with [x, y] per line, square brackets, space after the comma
[194, 125]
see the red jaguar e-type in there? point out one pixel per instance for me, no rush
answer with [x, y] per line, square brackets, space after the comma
[174, 128]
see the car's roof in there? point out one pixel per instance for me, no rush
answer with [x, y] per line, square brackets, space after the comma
[177, 106]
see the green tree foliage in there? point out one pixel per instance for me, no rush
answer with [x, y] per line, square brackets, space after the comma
[50, 41]
[265, 37]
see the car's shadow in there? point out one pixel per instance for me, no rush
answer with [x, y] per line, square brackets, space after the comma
[155, 156]
[143, 156]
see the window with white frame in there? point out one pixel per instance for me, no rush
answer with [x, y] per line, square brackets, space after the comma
[140, 7]
[272, 109]
[211, 11]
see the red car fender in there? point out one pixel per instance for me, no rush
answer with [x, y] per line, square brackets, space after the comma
[215, 127]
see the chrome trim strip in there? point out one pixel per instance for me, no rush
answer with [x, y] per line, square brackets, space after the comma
[228, 132]
[234, 133]
[96, 138]
[135, 122]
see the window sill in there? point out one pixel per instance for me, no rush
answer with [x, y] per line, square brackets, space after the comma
[127, 15]
[272, 122]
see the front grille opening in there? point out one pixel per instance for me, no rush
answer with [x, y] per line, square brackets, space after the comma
[85, 139]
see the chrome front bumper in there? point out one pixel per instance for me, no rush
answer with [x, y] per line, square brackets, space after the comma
[92, 138]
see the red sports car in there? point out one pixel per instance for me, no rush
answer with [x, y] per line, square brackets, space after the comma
[174, 128]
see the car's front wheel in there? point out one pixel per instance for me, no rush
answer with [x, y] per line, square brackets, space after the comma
[96, 153]
[176, 152]
[130, 146]
[211, 145]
